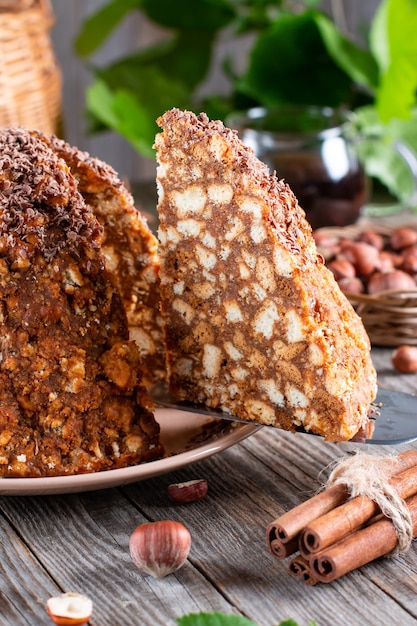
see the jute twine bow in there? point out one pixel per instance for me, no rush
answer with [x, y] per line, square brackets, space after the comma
[368, 475]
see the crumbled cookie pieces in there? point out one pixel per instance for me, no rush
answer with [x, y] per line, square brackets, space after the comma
[254, 322]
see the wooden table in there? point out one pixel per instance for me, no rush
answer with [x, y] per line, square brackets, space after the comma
[79, 542]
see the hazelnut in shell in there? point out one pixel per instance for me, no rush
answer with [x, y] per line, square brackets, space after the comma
[404, 359]
[372, 238]
[402, 237]
[388, 261]
[363, 256]
[351, 285]
[341, 268]
[394, 279]
[160, 548]
[409, 262]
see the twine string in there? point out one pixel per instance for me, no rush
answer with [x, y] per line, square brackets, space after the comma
[368, 475]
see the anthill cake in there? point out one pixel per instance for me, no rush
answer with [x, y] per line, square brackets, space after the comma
[71, 398]
[130, 249]
[255, 323]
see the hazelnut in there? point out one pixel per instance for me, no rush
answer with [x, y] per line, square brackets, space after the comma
[409, 262]
[351, 285]
[409, 250]
[395, 279]
[388, 261]
[363, 257]
[69, 609]
[189, 491]
[160, 548]
[404, 359]
[374, 239]
[323, 238]
[403, 237]
[326, 245]
[341, 268]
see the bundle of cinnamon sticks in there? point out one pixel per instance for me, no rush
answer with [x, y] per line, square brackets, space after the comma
[333, 533]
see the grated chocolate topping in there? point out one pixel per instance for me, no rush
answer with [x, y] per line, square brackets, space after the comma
[286, 217]
[93, 173]
[39, 201]
[128, 246]
[255, 324]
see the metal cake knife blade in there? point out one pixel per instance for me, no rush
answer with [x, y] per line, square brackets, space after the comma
[393, 415]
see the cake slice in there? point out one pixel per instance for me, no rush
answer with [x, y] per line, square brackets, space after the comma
[255, 323]
[71, 394]
[130, 249]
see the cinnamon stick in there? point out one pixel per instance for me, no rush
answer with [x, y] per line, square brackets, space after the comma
[299, 567]
[359, 548]
[282, 533]
[282, 549]
[351, 515]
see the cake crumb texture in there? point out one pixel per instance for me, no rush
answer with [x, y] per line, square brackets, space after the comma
[71, 393]
[255, 323]
[129, 247]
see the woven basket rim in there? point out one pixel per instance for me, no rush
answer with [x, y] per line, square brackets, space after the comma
[387, 296]
[389, 316]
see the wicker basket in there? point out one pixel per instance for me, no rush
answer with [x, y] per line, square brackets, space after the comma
[390, 317]
[30, 80]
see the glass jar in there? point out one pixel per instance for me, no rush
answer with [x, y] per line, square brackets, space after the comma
[306, 147]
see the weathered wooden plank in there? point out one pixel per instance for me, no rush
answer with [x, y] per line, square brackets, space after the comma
[228, 530]
[24, 583]
[82, 541]
[388, 377]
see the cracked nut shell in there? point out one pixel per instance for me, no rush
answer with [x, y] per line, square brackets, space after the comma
[69, 609]
[189, 491]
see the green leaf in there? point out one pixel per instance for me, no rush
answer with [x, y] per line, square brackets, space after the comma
[213, 619]
[376, 149]
[258, 15]
[184, 57]
[164, 92]
[97, 28]
[189, 14]
[100, 103]
[291, 622]
[190, 57]
[397, 92]
[221, 619]
[289, 63]
[133, 115]
[127, 72]
[359, 64]
[216, 107]
[378, 39]
[129, 95]
[119, 112]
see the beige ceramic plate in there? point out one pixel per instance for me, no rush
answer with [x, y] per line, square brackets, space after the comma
[187, 438]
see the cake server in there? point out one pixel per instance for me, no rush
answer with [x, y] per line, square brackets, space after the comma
[393, 415]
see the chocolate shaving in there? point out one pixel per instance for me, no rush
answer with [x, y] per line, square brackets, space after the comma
[39, 197]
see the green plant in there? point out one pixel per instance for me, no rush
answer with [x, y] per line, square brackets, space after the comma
[221, 619]
[298, 55]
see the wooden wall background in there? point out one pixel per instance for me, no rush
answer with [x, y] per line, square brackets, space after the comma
[133, 33]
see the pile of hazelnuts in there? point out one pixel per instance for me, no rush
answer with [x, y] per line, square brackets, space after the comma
[370, 263]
